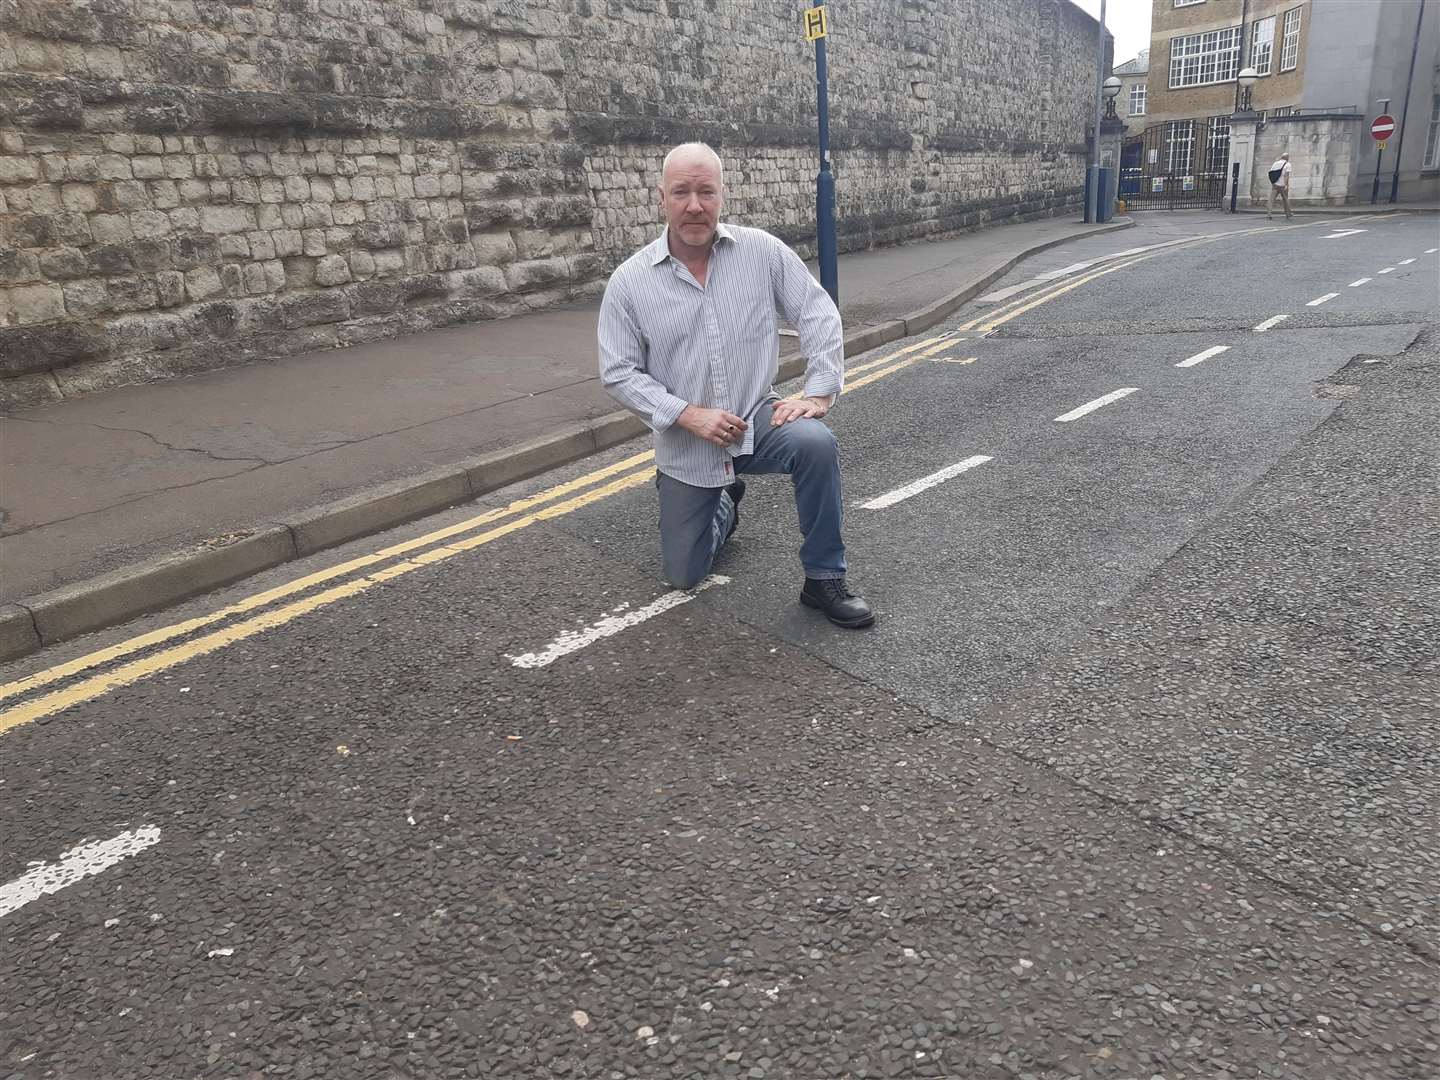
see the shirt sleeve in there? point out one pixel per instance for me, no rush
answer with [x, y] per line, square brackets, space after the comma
[810, 310]
[623, 359]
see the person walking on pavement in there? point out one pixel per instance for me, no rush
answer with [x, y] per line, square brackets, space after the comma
[688, 342]
[1280, 185]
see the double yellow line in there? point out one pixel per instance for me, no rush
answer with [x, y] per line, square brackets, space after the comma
[423, 551]
[398, 559]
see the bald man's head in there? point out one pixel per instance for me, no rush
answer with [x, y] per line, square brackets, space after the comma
[692, 193]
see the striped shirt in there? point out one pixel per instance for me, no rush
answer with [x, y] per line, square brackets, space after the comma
[666, 341]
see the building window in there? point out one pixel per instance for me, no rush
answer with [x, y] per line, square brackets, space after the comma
[1179, 146]
[1262, 45]
[1432, 140]
[1217, 148]
[1200, 59]
[1188, 3]
[1290, 43]
[1137, 99]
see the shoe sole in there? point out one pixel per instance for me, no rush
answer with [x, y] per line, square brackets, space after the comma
[848, 624]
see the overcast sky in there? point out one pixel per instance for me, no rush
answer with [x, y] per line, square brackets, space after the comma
[1128, 20]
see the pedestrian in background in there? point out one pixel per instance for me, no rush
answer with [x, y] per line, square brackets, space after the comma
[689, 343]
[1279, 185]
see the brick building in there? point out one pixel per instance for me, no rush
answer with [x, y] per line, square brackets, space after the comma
[1198, 47]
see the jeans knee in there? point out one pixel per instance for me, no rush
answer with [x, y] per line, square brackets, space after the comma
[814, 442]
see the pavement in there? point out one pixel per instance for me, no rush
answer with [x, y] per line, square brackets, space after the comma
[126, 501]
[1134, 776]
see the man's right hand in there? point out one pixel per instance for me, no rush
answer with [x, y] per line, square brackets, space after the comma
[713, 425]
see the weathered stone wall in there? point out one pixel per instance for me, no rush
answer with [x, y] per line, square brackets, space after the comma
[187, 183]
[1324, 156]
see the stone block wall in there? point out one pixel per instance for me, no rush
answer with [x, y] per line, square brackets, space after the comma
[1325, 151]
[189, 183]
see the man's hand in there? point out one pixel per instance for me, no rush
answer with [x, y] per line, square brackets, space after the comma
[713, 425]
[796, 408]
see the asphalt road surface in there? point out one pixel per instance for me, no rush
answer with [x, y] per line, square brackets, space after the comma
[1135, 777]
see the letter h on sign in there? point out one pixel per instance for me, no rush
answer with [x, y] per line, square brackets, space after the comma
[815, 23]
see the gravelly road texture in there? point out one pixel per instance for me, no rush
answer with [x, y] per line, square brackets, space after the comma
[1135, 778]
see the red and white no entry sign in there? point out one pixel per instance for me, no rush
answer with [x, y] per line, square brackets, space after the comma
[1383, 126]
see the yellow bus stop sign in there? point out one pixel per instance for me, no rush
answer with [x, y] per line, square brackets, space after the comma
[815, 23]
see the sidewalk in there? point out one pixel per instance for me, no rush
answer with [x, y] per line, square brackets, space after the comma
[132, 499]
[1351, 211]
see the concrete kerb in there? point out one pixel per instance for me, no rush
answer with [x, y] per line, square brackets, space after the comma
[116, 597]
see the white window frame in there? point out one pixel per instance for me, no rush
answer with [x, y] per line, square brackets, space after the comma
[1262, 35]
[1218, 131]
[1204, 59]
[1141, 95]
[1432, 138]
[1179, 151]
[1290, 42]
[1188, 3]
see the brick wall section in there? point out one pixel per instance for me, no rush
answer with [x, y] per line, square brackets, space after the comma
[188, 183]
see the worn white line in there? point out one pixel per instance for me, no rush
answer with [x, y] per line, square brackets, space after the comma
[1322, 299]
[1343, 232]
[1431, 251]
[1091, 406]
[74, 865]
[1200, 358]
[1387, 270]
[890, 498]
[1270, 323]
[1405, 262]
[575, 640]
[1362, 281]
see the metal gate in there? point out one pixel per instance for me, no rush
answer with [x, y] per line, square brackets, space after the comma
[1176, 165]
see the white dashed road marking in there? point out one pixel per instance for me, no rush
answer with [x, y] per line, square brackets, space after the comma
[1406, 262]
[1200, 358]
[75, 865]
[901, 494]
[1362, 281]
[1322, 299]
[1388, 270]
[1271, 322]
[575, 640]
[1431, 251]
[1091, 406]
[1342, 232]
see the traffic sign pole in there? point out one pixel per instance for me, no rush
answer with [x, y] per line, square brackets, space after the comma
[816, 30]
[1380, 129]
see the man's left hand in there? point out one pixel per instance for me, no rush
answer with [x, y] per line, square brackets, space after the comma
[796, 408]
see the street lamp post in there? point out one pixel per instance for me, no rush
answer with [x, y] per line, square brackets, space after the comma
[1112, 91]
[1246, 79]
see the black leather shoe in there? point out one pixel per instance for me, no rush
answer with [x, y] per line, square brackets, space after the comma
[737, 492]
[840, 605]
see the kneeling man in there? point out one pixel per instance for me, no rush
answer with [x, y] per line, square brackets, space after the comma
[688, 343]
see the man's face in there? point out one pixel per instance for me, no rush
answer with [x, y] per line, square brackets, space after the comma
[691, 196]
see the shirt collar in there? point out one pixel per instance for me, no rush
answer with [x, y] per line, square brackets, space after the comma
[660, 248]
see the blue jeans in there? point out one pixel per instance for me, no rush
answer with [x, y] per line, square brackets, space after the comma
[695, 521]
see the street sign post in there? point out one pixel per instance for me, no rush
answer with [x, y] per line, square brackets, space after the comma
[817, 28]
[1380, 129]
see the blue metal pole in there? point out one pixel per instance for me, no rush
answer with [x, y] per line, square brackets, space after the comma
[825, 185]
